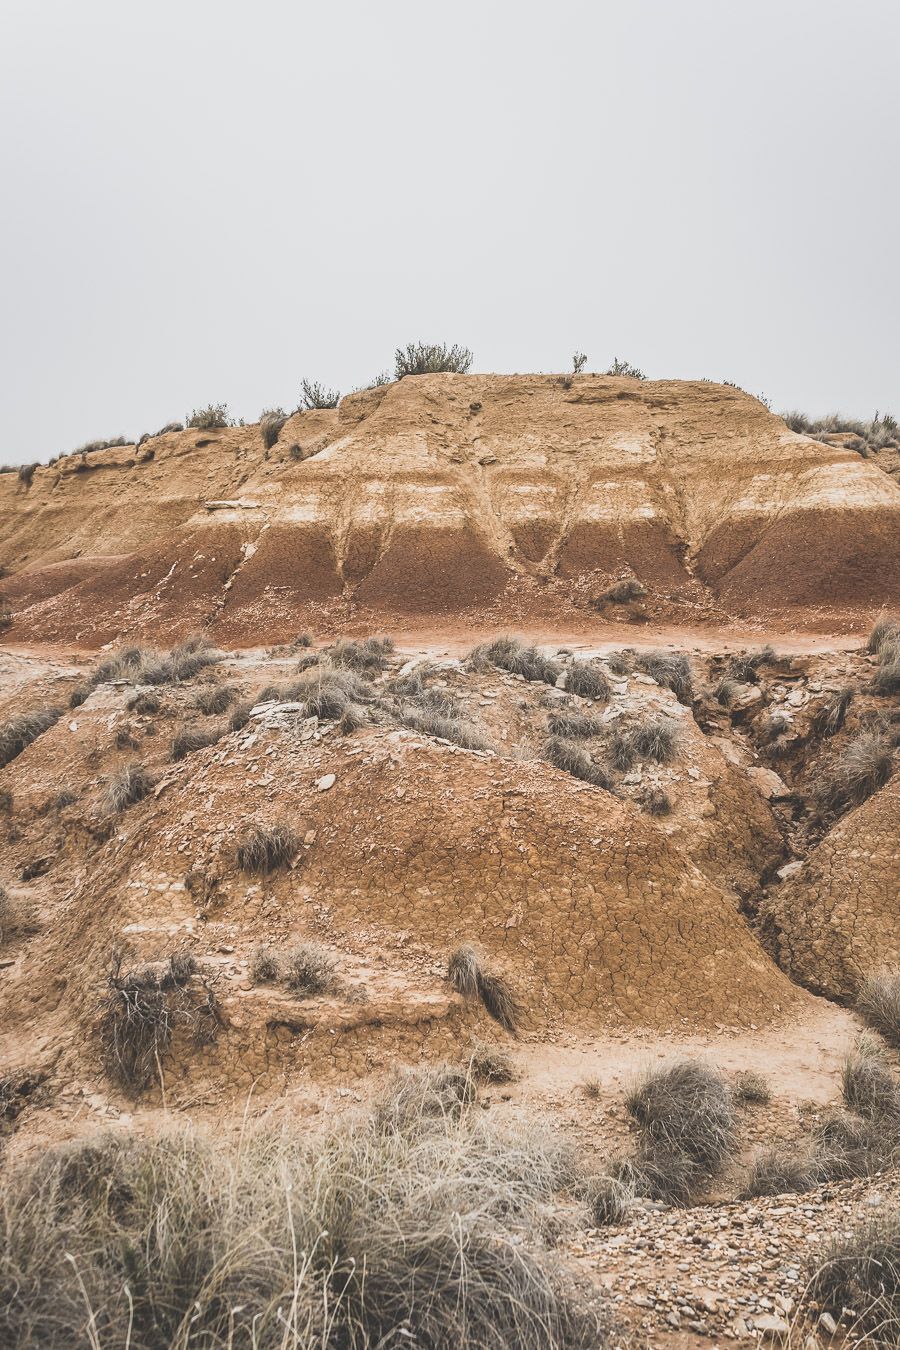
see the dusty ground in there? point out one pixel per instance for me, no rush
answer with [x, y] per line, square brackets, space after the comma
[631, 940]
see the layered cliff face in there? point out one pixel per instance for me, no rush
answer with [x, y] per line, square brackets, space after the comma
[518, 496]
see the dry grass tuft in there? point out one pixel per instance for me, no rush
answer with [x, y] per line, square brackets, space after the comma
[211, 418]
[655, 801]
[670, 669]
[18, 732]
[572, 758]
[831, 714]
[130, 785]
[624, 592]
[609, 1200]
[187, 740]
[656, 738]
[264, 965]
[508, 653]
[465, 973]
[751, 1088]
[588, 680]
[884, 631]
[573, 725]
[878, 1000]
[367, 657]
[489, 1064]
[263, 848]
[779, 1172]
[862, 768]
[856, 1277]
[214, 699]
[430, 722]
[271, 422]
[308, 969]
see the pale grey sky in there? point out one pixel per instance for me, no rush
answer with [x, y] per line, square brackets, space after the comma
[207, 201]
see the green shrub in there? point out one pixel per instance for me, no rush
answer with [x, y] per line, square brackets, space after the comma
[423, 358]
[625, 368]
[314, 395]
[211, 418]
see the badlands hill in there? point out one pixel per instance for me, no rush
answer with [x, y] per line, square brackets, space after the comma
[537, 971]
[505, 498]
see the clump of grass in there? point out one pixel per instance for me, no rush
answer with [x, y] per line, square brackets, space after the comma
[271, 422]
[878, 1000]
[189, 739]
[777, 1171]
[214, 699]
[240, 715]
[592, 1089]
[572, 758]
[848, 1147]
[508, 653]
[656, 738]
[264, 965]
[27, 472]
[655, 801]
[418, 1100]
[588, 680]
[489, 1064]
[144, 1008]
[314, 395]
[621, 663]
[884, 631]
[862, 768]
[125, 738]
[609, 1200]
[751, 1088]
[573, 725]
[687, 1124]
[130, 785]
[744, 666]
[624, 592]
[308, 969]
[264, 848]
[473, 982]
[18, 732]
[868, 1087]
[672, 670]
[352, 718]
[430, 358]
[370, 656]
[886, 679]
[857, 1276]
[430, 722]
[726, 691]
[147, 702]
[17, 919]
[831, 714]
[211, 418]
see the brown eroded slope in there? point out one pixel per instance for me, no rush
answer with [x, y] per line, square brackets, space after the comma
[515, 496]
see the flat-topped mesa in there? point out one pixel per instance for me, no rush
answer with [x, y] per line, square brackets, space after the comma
[449, 494]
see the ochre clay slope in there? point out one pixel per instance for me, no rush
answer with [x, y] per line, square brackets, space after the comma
[517, 496]
[838, 919]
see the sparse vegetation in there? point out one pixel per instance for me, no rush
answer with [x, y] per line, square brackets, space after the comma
[858, 1276]
[751, 1088]
[431, 358]
[624, 592]
[876, 434]
[370, 656]
[779, 1171]
[878, 1000]
[430, 722]
[831, 714]
[655, 738]
[655, 801]
[625, 368]
[18, 732]
[263, 848]
[189, 739]
[864, 765]
[573, 725]
[240, 715]
[27, 472]
[609, 1200]
[869, 1088]
[214, 699]
[588, 680]
[744, 666]
[670, 669]
[314, 395]
[572, 758]
[308, 969]
[468, 977]
[143, 1009]
[211, 418]
[128, 786]
[271, 422]
[508, 653]
[884, 631]
[147, 703]
[490, 1064]
[264, 965]
[420, 1228]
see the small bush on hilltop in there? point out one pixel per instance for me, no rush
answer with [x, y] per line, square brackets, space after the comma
[211, 418]
[625, 368]
[271, 421]
[424, 358]
[314, 395]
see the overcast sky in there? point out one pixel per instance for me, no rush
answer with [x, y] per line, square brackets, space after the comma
[207, 201]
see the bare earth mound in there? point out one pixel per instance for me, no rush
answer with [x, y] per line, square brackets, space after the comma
[452, 494]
